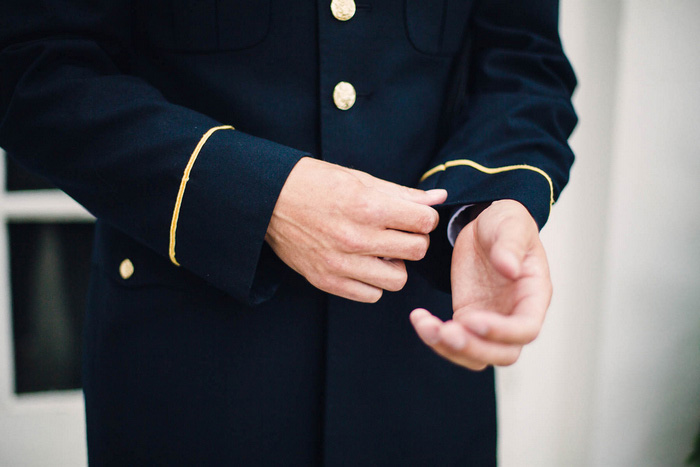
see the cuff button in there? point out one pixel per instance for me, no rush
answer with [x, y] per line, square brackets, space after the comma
[126, 269]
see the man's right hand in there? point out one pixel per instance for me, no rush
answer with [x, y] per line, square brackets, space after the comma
[347, 232]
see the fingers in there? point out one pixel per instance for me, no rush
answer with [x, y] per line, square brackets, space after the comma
[411, 217]
[349, 288]
[515, 330]
[386, 212]
[384, 274]
[458, 345]
[333, 225]
[382, 243]
[368, 286]
[393, 206]
[521, 326]
[454, 342]
[414, 195]
[426, 325]
[429, 198]
[339, 273]
[400, 245]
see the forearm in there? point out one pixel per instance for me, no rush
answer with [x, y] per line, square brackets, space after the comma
[510, 138]
[72, 113]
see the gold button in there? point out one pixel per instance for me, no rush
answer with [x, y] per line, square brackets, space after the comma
[344, 95]
[126, 269]
[343, 10]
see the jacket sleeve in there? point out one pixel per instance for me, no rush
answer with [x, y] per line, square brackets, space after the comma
[189, 187]
[508, 139]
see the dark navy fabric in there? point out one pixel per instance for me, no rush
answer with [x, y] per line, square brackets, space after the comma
[232, 358]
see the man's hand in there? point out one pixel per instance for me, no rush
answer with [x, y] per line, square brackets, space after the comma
[500, 290]
[347, 232]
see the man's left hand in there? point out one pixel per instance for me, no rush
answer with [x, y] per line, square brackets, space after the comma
[501, 290]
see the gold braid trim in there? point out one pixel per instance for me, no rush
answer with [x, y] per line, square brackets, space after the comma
[183, 185]
[492, 171]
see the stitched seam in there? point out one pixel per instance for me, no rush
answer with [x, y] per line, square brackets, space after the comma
[493, 171]
[183, 185]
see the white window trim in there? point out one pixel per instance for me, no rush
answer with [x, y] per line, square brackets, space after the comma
[44, 425]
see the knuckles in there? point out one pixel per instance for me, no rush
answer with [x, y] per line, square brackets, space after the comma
[531, 334]
[510, 358]
[427, 222]
[372, 212]
[419, 249]
[325, 282]
[373, 296]
[398, 282]
[351, 242]
[363, 206]
[333, 264]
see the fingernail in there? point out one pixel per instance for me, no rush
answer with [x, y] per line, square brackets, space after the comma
[427, 330]
[430, 334]
[418, 313]
[436, 191]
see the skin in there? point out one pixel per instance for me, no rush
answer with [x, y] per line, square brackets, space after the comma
[335, 226]
[349, 233]
[501, 290]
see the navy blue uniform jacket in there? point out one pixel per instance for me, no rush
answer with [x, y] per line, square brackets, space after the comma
[204, 348]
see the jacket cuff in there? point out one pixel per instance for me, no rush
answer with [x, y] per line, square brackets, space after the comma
[529, 185]
[220, 218]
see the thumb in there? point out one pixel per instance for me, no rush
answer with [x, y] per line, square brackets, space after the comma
[512, 233]
[432, 197]
[427, 198]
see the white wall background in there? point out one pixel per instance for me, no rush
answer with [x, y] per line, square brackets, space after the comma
[614, 379]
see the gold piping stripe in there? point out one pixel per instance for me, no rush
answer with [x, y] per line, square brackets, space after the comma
[183, 184]
[492, 171]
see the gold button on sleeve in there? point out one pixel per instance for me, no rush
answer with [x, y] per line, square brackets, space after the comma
[126, 269]
[344, 95]
[343, 10]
